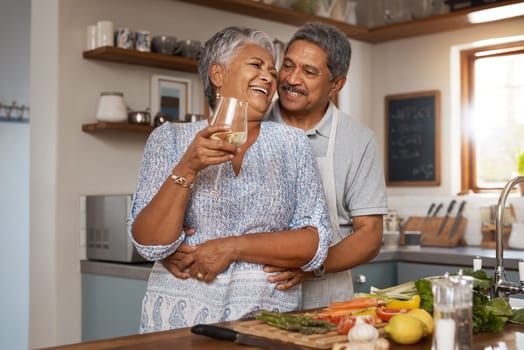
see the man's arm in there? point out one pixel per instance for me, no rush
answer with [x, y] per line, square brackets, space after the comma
[359, 247]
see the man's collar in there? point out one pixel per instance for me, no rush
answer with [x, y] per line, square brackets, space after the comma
[323, 127]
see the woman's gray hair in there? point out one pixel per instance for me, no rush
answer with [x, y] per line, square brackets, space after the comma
[221, 47]
[332, 40]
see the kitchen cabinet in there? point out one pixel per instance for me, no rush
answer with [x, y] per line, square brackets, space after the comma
[412, 271]
[133, 57]
[429, 25]
[111, 306]
[379, 275]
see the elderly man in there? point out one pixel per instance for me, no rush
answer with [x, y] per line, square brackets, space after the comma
[313, 71]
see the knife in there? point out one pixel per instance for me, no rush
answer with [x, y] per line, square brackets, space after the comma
[458, 219]
[241, 338]
[437, 209]
[448, 212]
[429, 210]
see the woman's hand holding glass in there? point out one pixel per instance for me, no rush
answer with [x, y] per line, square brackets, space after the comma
[228, 126]
[204, 151]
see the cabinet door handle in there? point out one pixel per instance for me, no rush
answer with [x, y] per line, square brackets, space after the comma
[361, 279]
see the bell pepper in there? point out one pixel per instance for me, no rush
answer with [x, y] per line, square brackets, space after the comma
[413, 303]
[385, 314]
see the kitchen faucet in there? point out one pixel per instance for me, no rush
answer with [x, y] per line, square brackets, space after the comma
[502, 287]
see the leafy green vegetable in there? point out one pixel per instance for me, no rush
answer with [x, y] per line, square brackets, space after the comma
[499, 307]
[426, 295]
[481, 279]
[517, 316]
[489, 315]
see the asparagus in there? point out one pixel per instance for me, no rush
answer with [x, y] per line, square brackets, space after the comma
[296, 323]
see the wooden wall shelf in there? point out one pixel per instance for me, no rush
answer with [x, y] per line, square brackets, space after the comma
[105, 126]
[148, 59]
[440, 23]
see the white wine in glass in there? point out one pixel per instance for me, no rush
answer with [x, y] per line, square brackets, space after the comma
[231, 113]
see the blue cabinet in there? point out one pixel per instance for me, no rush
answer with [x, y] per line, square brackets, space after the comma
[111, 306]
[378, 274]
[414, 271]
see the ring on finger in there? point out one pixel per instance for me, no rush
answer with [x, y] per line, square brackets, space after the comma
[199, 276]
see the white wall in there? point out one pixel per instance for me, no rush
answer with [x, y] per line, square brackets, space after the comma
[67, 163]
[14, 176]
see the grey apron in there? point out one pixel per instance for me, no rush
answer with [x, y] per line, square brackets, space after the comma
[333, 286]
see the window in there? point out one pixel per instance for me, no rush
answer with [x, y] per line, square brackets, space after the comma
[492, 88]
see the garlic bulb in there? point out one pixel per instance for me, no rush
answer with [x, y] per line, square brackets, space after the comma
[362, 331]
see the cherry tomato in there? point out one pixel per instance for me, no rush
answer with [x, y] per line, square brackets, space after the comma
[330, 318]
[386, 313]
[348, 321]
[345, 324]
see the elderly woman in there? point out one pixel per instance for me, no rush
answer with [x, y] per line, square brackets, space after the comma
[271, 210]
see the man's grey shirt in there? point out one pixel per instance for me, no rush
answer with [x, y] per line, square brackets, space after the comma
[358, 164]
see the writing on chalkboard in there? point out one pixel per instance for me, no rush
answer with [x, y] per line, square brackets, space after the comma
[412, 145]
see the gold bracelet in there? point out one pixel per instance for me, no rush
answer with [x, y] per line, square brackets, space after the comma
[181, 181]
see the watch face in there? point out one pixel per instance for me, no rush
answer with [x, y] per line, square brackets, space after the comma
[320, 271]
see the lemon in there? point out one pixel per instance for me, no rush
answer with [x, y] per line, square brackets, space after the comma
[425, 317]
[405, 329]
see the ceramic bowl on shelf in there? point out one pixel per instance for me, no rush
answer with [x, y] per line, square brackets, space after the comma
[189, 48]
[139, 117]
[164, 44]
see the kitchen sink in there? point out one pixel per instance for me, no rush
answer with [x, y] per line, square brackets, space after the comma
[516, 303]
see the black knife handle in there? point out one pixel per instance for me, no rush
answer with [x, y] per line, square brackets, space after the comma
[437, 209]
[215, 332]
[430, 209]
[450, 207]
[461, 208]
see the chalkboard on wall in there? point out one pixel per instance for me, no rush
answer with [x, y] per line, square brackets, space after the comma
[412, 139]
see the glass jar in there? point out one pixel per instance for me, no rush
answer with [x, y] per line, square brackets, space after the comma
[452, 312]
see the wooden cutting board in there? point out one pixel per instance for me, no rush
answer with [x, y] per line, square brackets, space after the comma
[315, 341]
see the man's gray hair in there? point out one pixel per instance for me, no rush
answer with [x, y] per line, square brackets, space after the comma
[222, 46]
[332, 40]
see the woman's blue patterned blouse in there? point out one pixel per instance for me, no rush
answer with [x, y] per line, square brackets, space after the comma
[278, 188]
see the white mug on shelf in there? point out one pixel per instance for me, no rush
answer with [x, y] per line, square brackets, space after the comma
[91, 37]
[104, 34]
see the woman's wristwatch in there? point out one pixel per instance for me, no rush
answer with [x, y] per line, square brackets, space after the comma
[320, 271]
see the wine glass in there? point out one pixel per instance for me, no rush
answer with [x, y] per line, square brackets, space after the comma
[231, 113]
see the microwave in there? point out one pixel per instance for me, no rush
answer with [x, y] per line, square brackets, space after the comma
[106, 229]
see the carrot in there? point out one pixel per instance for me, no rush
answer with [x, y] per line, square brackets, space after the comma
[355, 303]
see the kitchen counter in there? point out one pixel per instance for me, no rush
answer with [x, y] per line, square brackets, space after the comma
[114, 273]
[513, 336]
[456, 256]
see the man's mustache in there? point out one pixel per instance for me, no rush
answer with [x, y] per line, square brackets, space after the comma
[294, 89]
